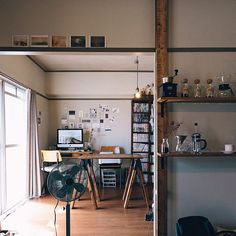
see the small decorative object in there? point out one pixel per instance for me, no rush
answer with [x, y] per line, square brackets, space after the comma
[210, 89]
[185, 88]
[78, 41]
[20, 41]
[97, 42]
[197, 91]
[59, 41]
[165, 145]
[39, 40]
[149, 89]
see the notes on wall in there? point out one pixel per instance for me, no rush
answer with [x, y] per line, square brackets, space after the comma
[98, 119]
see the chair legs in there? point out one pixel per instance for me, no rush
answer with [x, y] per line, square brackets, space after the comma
[103, 168]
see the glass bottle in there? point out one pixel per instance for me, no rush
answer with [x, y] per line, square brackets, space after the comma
[198, 91]
[185, 88]
[210, 89]
[165, 145]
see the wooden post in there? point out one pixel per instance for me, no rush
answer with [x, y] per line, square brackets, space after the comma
[161, 71]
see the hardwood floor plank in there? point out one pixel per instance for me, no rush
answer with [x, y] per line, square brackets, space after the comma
[36, 217]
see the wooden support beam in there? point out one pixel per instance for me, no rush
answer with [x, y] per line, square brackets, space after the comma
[161, 42]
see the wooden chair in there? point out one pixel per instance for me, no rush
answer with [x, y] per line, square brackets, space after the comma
[50, 159]
[110, 163]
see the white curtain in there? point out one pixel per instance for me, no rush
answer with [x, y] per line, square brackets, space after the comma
[3, 199]
[34, 175]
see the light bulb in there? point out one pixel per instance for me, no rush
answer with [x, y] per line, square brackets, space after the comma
[137, 94]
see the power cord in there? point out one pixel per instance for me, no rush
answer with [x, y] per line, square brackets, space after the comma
[55, 218]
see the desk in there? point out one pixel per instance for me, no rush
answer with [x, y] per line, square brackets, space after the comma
[134, 169]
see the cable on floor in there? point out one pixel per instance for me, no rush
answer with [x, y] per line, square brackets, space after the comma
[55, 218]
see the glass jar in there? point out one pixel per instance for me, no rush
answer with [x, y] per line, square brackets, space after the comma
[210, 89]
[185, 88]
[197, 89]
[165, 145]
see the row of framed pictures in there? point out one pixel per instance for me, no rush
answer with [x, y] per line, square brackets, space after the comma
[61, 41]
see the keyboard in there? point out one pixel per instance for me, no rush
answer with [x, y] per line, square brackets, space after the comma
[71, 151]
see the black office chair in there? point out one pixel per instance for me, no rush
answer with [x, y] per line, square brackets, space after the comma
[199, 226]
[194, 226]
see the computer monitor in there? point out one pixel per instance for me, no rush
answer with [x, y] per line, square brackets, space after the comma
[70, 139]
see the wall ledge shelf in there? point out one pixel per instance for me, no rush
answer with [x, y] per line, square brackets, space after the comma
[203, 154]
[196, 100]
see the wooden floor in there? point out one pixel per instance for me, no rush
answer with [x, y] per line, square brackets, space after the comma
[36, 217]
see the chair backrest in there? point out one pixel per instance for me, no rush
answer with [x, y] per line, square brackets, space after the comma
[113, 149]
[109, 150]
[51, 156]
[194, 226]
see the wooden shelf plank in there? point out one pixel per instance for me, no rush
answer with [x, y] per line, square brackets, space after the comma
[203, 154]
[196, 100]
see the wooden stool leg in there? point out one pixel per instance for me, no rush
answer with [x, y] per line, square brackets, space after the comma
[93, 177]
[75, 191]
[91, 190]
[144, 190]
[132, 178]
[127, 181]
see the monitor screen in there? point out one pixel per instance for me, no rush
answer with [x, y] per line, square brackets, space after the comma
[70, 138]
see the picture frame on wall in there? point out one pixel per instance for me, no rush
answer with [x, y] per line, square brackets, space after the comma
[59, 41]
[78, 41]
[97, 41]
[39, 41]
[20, 41]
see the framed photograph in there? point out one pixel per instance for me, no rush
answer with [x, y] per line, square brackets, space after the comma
[59, 41]
[77, 41]
[20, 41]
[97, 42]
[39, 40]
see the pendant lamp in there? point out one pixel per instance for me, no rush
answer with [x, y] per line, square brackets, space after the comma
[137, 91]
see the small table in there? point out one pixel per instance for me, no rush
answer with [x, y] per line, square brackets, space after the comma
[134, 169]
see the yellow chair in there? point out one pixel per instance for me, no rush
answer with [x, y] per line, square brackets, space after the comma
[50, 159]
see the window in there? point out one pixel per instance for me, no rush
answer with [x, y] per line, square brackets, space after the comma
[13, 142]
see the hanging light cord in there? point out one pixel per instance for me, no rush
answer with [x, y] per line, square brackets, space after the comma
[137, 62]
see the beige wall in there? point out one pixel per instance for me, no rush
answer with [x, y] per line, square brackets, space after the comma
[125, 23]
[22, 69]
[202, 23]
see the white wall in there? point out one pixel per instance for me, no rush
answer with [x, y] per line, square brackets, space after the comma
[98, 85]
[90, 85]
[120, 134]
[125, 23]
[203, 186]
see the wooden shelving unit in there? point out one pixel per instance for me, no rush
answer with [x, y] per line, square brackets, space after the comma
[142, 134]
[162, 104]
[196, 100]
[200, 155]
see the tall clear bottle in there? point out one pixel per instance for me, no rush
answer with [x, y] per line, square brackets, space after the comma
[165, 145]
